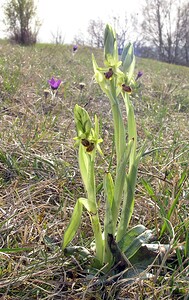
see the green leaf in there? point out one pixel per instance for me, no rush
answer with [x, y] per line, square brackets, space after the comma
[128, 201]
[84, 162]
[109, 188]
[130, 235]
[128, 61]
[109, 225]
[77, 250]
[120, 181]
[137, 243]
[109, 192]
[73, 225]
[119, 186]
[89, 205]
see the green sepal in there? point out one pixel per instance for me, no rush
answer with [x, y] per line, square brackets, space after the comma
[89, 205]
[99, 76]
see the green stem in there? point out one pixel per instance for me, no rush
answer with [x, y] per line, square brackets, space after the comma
[119, 129]
[120, 145]
[130, 181]
[91, 186]
[86, 162]
[91, 192]
[132, 130]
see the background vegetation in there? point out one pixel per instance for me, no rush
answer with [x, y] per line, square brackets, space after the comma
[160, 29]
[40, 180]
[21, 21]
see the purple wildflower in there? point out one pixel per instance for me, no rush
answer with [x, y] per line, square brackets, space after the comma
[75, 47]
[54, 83]
[140, 73]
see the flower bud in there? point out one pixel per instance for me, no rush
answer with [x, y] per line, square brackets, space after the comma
[82, 121]
[110, 46]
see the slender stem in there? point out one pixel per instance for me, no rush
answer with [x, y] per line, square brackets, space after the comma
[131, 177]
[120, 145]
[95, 221]
[88, 174]
[132, 130]
[119, 129]
[91, 186]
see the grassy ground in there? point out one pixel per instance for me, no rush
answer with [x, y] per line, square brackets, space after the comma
[40, 179]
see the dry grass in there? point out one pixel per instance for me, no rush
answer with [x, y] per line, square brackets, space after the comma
[40, 180]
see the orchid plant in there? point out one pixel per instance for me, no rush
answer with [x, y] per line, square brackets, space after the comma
[114, 242]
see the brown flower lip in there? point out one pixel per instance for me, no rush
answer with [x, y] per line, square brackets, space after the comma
[89, 145]
[85, 142]
[126, 88]
[90, 148]
[109, 74]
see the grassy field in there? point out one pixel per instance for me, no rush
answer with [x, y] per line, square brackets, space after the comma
[40, 180]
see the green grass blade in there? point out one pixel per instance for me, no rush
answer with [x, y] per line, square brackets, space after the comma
[14, 250]
[186, 248]
[175, 201]
[149, 189]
